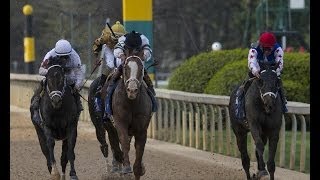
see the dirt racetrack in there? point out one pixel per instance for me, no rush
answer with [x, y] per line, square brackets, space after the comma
[163, 161]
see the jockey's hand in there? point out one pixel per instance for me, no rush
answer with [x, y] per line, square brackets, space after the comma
[256, 73]
[123, 58]
[44, 64]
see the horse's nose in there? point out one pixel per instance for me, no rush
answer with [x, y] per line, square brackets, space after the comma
[56, 99]
[132, 90]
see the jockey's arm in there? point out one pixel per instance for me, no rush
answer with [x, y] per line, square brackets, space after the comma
[253, 64]
[278, 53]
[76, 68]
[118, 51]
[146, 48]
[44, 64]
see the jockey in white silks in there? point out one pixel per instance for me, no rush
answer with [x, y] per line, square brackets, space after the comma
[74, 74]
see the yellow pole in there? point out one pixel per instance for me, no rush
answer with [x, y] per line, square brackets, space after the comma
[28, 41]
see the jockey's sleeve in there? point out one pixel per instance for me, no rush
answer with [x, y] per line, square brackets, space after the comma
[43, 66]
[76, 68]
[278, 53]
[108, 57]
[146, 48]
[253, 64]
[119, 47]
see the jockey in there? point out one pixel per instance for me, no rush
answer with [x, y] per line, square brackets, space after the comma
[105, 43]
[132, 41]
[74, 77]
[267, 50]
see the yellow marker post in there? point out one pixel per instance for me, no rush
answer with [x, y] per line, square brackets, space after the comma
[28, 41]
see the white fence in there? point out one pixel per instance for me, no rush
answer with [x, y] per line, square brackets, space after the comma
[197, 120]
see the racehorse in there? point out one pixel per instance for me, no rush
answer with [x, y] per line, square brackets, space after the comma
[264, 115]
[58, 119]
[101, 127]
[132, 111]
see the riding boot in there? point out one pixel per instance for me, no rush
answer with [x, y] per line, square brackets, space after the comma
[111, 87]
[101, 83]
[283, 97]
[240, 94]
[149, 83]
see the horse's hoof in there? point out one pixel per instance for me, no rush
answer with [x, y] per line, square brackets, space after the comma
[63, 177]
[74, 177]
[116, 169]
[55, 177]
[262, 175]
[126, 170]
[143, 170]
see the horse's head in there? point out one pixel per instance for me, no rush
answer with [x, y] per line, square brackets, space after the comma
[133, 73]
[268, 85]
[56, 81]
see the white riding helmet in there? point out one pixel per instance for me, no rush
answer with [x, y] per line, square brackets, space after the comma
[63, 47]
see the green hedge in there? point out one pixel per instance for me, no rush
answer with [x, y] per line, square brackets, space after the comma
[227, 78]
[194, 74]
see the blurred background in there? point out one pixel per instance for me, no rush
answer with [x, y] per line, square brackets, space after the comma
[180, 29]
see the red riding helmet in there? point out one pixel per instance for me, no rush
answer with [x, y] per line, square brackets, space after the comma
[267, 40]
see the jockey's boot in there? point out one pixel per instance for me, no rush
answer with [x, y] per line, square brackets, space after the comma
[115, 76]
[283, 97]
[111, 87]
[240, 109]
[35, 103]
[101, 83]
[149, 83]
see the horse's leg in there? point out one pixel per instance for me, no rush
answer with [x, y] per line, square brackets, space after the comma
[115, 146]
[263, 172]
[259, 142]
[139, 144]
[71, 156]
[101, 136]
[273, 141]
[51, 143]
[43, 144]
[122, 131]
[242, 146]
[64, 158]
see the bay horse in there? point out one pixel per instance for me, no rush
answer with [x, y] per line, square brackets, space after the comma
[132, 111]
[101, 126]
[58, 119]
[264, 115]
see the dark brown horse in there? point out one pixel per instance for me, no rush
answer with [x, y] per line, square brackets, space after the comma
[263, 111]
[57, 119]
[132, 111]
[101, 127]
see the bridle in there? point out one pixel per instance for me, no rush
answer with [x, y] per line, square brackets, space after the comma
[133, 78]
[272, 94]
[54, 93]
